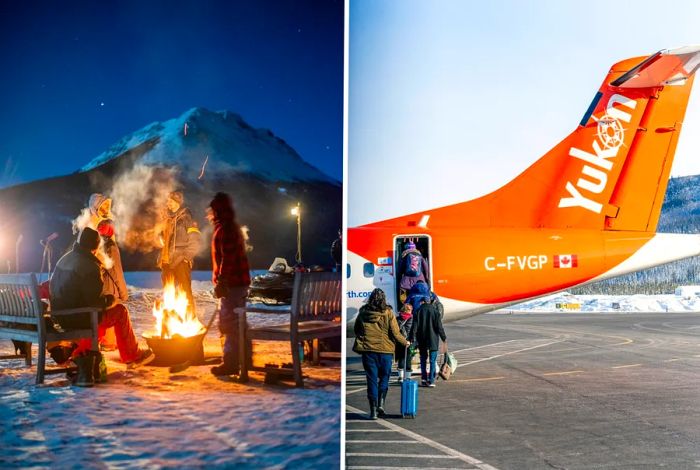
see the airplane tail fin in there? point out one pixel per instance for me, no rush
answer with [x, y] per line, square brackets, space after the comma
[611, 172]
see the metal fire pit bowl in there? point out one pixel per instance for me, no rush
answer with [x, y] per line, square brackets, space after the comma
[171, 351]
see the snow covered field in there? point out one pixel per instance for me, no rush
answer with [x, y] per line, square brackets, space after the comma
[148, 418]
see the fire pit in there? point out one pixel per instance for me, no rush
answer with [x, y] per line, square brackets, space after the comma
[176, 350]
[178, 335]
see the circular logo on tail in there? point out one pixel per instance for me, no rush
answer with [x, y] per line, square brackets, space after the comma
[610, 132]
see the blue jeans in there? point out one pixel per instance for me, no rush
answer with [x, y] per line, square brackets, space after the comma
[433, 365]
[228, 323]
[377, 368]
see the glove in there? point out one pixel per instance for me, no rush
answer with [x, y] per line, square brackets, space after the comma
[220, 290]
[108, 300]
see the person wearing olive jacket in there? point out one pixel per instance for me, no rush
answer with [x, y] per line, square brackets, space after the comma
[376, 333]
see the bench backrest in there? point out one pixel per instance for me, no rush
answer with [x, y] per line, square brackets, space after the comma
[19, 298]
[317, 296]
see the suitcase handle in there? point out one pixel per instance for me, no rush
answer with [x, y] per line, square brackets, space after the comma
[406, 359]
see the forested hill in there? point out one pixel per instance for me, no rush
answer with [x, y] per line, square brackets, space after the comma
[679, 214]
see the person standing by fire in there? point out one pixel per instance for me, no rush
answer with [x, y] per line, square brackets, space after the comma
[180, 239]
[230, 275]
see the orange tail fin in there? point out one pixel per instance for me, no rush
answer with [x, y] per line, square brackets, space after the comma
[611, 172]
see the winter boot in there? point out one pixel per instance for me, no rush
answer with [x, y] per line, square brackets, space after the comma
[85, 365]
[99, 370]
[229, 367]
[372, 409]
[380, 404]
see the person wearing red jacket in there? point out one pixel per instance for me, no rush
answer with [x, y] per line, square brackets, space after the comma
[230, 275]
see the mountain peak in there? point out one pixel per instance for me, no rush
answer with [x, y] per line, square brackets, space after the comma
[224, 139]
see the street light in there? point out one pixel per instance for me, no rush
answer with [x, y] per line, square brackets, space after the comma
[297, 211]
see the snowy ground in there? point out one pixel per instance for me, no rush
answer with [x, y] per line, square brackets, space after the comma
[148, 418]
[565, 302]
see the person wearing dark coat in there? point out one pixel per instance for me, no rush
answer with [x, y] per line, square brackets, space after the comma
[77, 282]
[427, 331]
[181, 238]
[337, 250]
[417, 294]
[412, 268]
[376, 334]
[230, 276]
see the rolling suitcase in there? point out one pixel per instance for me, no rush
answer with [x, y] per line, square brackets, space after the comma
[409, 395]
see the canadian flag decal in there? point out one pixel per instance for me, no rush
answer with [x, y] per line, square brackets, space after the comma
[565, 261]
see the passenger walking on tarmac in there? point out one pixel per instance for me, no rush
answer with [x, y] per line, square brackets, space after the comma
[405, 321]
[180, 240]
[427, 330]
[230, 275]
[412, 268]
[376, 334]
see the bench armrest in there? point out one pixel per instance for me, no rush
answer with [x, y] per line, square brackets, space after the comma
[73, 311]
[245, 310]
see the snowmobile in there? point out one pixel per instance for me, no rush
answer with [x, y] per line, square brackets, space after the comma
[275, 286]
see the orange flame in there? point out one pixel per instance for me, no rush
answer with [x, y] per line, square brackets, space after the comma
[172, 316]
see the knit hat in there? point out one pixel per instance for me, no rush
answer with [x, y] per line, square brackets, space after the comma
[222, 207]
[89, 239]
[177, 196]
[410, 246]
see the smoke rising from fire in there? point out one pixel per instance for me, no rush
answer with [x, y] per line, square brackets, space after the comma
[86, 219]
[138, 198]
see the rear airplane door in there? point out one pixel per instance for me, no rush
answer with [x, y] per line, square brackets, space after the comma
[424, 245]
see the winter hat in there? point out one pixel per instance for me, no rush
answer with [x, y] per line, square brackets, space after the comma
[410, 246]
[177, 196]
[89, 239]
[96, 200]
[106, 228]
[222, 207]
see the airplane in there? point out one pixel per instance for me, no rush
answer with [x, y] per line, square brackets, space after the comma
[585, 211]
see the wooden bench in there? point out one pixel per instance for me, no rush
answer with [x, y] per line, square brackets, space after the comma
[22, 318]
[315, 313]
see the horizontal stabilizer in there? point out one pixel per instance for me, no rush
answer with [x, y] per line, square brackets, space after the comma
[666, 67]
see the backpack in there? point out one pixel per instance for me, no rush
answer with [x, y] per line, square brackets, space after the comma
[440, 308]
[413, 264]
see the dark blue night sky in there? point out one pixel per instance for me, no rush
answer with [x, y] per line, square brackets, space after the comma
[77, 76]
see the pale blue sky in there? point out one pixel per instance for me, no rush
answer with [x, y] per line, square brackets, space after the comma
[448, 100]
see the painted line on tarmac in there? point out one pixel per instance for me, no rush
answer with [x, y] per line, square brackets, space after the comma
[365, 467]
[416, 456]
[483, 379]
[424, 440]
[568, 372]
[368, 430]
[506, 354]
[362, 441]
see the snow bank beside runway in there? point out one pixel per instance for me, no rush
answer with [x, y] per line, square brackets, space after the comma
[566, 302]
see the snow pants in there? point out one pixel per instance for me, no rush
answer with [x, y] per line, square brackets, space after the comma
[117, 317]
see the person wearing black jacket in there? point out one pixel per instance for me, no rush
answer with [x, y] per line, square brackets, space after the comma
[427, 330]
[77, 282]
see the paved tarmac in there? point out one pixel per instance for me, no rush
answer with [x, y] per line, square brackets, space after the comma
[562, 391]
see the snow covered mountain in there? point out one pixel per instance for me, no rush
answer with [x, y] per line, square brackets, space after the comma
[230, 143]
[200, 153]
